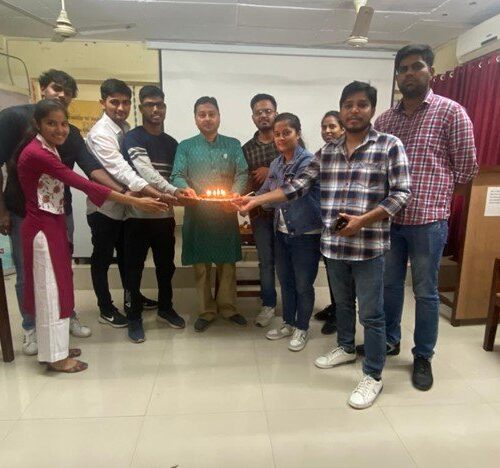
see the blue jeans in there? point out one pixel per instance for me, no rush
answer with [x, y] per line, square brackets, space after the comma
[28, 322]
[423, 245]
[263, 233]
[367, 278]
[297, 260]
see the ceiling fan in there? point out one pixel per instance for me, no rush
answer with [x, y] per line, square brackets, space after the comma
[359, 35]
[63, 28]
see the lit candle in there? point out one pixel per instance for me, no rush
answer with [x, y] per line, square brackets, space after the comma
[223, 193]
[209, 193]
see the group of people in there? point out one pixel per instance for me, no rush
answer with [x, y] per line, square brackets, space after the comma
[374, 197]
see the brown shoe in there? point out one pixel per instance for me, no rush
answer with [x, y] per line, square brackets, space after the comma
[79, 366]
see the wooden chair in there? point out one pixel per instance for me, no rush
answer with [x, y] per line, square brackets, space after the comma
[494, 310]
[5, 333]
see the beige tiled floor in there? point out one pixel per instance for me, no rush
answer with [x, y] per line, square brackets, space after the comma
[230, 398]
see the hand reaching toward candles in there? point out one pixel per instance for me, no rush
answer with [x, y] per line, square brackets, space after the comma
[228, 205]
[245, 204]
[186, 196]
[170, 200]
[149, 205]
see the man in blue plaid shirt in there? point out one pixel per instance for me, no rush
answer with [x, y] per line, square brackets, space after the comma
[364, 180]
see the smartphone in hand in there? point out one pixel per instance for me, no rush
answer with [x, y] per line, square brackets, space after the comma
[339, 224]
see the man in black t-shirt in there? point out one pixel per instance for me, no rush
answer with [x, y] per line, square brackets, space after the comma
[150, 151]
[14, 123]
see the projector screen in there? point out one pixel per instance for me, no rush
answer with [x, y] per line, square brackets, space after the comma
[307, 86]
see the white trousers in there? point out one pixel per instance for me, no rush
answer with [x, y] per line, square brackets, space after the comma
[52, 331]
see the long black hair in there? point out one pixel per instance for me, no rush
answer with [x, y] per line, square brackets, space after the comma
[293, 121]
[42, 109]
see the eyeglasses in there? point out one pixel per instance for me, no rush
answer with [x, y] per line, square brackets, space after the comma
[152, 105]
[416, 67]
[260, 112]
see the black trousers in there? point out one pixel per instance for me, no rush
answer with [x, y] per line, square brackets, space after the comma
[139, 236]
[107, 235]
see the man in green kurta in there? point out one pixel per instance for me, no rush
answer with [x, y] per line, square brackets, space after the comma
[209, 234]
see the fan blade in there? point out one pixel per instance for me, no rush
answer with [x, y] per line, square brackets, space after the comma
[57, 38]
[26, 13]
[105, 29]
[363, 20]
[381, 41]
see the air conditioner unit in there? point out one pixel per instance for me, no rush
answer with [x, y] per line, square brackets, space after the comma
[479, 40]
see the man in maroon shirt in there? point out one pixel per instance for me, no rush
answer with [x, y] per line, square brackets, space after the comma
[439, 142]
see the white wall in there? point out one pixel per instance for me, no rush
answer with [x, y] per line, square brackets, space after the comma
[306, 86]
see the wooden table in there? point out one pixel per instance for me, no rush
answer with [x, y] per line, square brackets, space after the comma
[5, 333]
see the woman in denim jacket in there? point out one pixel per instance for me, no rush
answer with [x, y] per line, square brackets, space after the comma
[298, 231]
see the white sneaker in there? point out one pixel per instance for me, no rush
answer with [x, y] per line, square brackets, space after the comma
[299, 340]
[365, 393]
[265, 316]
[30, 345]
[334, 357]
[77, 329]
[278, 333]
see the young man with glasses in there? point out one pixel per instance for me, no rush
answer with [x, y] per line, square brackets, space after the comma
[260, 152]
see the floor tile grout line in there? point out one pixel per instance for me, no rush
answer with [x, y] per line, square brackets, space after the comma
[15, 422]
[33, 400]
[398, 436]
[491, 405]
[264, 403]
[430, 405]
[138, 438]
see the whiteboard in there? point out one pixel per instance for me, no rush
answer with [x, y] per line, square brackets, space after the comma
[307, 86]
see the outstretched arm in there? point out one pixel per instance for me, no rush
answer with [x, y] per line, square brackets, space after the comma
[98, 194]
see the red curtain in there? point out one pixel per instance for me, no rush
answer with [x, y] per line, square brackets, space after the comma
[476, 86]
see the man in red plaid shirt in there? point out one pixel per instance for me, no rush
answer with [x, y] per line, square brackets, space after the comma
[439, 142]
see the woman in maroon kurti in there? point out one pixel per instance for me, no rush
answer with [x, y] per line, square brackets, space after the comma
[48, 289]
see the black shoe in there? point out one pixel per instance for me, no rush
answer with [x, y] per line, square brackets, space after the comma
[329, 327]
[149, 304]
[422, 374]
[238, 319]
[201, 325]
[392, 350]
[172, 318]
[325, 314]
[136, 331]
[113, 317]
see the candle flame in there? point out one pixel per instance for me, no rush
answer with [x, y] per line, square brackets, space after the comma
[216, 193]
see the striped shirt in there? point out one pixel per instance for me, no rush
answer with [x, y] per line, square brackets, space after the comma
[376, 175]
[258, 154]
[439, 142]
[152, 157]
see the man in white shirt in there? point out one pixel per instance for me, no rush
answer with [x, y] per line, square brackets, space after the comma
[106, 223]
